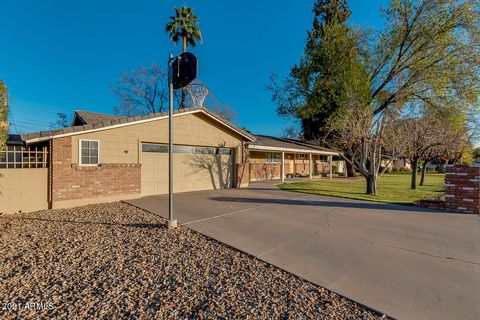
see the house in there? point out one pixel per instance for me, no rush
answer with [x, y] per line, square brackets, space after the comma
[103, 158]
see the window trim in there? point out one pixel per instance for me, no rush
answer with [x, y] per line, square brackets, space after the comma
[80, 153]
[271, 159]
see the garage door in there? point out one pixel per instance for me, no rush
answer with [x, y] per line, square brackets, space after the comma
[195, 168]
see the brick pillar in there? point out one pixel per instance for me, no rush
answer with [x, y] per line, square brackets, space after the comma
[462, 188]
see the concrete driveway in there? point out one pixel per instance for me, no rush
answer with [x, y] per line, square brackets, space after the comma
[406, 262]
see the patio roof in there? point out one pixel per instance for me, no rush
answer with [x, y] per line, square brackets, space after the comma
[269, 143]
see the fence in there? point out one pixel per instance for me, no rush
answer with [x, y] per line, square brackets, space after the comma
[17, 157]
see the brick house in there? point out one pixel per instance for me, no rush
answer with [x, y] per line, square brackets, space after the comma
[103, 158]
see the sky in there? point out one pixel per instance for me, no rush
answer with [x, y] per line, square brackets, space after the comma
[60, 56]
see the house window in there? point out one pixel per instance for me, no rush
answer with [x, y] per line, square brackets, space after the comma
[301, 156]
[161, 148]
[272, 157]
[89, 155]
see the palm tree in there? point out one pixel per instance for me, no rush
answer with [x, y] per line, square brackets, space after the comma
[183, 25]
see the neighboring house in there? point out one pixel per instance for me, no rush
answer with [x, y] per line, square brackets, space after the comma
[104, 158]
[398, 163]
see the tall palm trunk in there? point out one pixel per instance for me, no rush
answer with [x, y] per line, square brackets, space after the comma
[184, 49]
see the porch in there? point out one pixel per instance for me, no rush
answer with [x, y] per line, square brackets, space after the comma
[273, 158]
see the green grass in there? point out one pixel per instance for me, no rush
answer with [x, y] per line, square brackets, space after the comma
[392, 188]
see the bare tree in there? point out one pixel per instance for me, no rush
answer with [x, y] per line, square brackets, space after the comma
[212, 103]
[292, 133]
[142, 91]
[61, 122]
[422, 137]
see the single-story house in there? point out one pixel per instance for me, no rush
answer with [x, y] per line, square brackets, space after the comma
[103, 158]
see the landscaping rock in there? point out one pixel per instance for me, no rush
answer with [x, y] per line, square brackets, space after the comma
[114, 261]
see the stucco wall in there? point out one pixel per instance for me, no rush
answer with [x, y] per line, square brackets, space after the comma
[23, 189]
[122, 145]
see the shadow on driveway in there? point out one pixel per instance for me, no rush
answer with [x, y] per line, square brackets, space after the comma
[327, 203]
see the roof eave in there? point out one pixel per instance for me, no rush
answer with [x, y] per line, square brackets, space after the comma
[61, 135]
[294, 150]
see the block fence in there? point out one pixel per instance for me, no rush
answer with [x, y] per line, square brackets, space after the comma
[462, 188]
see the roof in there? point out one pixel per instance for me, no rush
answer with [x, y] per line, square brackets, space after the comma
[14, 140]
[105, 121]
[83, 117]
[270, 143]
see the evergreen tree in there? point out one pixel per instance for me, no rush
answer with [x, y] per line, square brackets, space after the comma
[321, 78]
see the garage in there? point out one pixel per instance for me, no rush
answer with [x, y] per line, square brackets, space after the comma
[195, 168]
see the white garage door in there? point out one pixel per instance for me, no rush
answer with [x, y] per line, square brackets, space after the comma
[195, 168]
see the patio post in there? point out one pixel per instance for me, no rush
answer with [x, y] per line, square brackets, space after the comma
[282, 168]
[310, 167]
[294, 165]
[330, 167]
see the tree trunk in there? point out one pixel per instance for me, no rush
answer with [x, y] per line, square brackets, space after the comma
[350, 169]
[413, 185]
[371, 185]
[424, 171]
[184, 49]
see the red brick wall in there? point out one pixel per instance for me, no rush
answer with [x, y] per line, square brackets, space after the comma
[243, 175]
[70, 181]
[264, 171]
[462, 188]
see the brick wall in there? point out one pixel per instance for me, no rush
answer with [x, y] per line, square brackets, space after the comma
[70, 181]
[243, 175]
[264, 171]
[462, 188]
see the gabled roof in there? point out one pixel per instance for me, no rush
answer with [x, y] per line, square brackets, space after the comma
[83, 117]
[269, 143]
[118, 121]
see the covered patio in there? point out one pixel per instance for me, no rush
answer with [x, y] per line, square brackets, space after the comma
[274, 158]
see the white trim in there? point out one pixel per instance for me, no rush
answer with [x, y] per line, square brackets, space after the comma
[80, 153]
[40, 139]
[278, 149]
[271, 159]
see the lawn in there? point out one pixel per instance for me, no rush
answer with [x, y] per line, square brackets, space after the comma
[392, 188]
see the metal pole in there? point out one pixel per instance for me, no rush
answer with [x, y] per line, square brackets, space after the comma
[171, 223]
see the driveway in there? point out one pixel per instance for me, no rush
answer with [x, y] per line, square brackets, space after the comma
[406, 262]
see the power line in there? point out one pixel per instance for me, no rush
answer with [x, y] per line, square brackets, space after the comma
[34, 105]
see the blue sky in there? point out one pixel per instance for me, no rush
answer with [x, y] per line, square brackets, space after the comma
[58, 56]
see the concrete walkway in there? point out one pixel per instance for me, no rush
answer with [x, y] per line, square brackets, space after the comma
[403, 261]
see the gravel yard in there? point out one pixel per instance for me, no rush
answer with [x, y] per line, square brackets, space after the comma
[115, 261]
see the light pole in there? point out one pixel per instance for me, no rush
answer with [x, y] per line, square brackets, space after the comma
[182, 70]
[171, 222]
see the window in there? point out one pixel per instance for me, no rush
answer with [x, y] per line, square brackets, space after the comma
[224, 151]
[162, 148]
[273, 157]
[301, 156]
[205, 150]
[89, 155]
